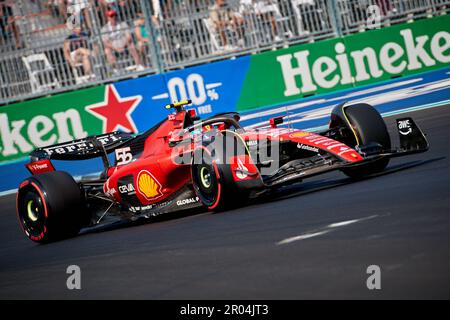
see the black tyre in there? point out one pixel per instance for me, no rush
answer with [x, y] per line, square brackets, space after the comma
[50, 207]
[367, 126]
[212, 179]
[206, 182]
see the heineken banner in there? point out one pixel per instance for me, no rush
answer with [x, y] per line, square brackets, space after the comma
[287, 75]
[244, 84]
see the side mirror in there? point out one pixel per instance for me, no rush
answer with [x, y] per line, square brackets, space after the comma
[193, 114]
[275, 121]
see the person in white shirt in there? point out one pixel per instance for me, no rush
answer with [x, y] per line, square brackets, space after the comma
[265, 11]
[224, 18]
[117, 39]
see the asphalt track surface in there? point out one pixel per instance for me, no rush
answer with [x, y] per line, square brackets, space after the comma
[399, 220]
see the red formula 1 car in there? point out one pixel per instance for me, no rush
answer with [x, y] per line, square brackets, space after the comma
[183, 163]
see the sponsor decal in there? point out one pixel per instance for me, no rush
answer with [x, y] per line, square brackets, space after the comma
[75, 147]
[136, 209]
[242, 168]
[412, 52]
[252, 143]
[300, 134]
[404, 127]
[108, 191]
[187, 201]
[142, 208]
[334, 146]
[192, 87]
[345, 62]
[307, 148]
[39, 167]
[24, 134]
[241, 173]
[127, 189]
[148, 186]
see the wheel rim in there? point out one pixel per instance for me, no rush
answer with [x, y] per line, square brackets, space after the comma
[205, 177]
[32, 210]
[205, 183]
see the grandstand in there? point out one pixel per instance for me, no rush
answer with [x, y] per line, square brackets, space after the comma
[39, 47]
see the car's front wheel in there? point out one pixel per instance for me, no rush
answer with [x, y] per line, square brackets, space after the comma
[366, 126]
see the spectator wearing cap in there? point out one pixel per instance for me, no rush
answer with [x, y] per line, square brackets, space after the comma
[76, 50]
[117, 40]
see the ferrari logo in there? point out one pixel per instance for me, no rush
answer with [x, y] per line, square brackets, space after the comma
[148, 186]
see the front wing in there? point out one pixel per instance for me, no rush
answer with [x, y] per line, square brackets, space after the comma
[412, 140]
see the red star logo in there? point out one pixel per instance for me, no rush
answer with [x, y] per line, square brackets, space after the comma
[115, 112]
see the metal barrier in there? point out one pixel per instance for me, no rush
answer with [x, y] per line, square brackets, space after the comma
[41, 52]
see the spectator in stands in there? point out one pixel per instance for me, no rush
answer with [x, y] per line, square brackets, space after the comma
[76, 50]
[117, 40]
[81, 9]
[224, 20]
[265, 12]
[127, 10]
[141, 35]
[385, 6]
[58, 8]
[8, 29]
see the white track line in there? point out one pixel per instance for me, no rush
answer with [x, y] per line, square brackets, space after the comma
[302, 237]
[324, 230]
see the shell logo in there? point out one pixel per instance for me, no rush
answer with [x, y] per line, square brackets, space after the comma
[299, 134]
[148, 186]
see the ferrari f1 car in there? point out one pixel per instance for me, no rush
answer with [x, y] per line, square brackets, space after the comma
[184, 162]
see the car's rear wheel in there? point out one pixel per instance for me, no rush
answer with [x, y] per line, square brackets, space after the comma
[50, 207]
[366, 126]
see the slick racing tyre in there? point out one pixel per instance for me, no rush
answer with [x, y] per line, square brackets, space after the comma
[367, 126]
[50, 207]
[211, 179]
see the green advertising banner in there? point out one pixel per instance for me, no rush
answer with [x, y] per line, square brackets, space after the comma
[289, 74]
[45, 121]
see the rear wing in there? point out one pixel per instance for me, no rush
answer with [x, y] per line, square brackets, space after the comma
[87, 148]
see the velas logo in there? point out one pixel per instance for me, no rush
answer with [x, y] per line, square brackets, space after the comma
[411, 53]
[115, 111]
